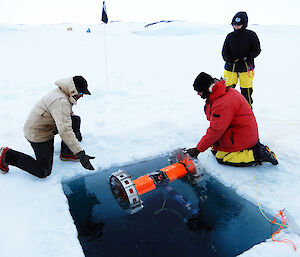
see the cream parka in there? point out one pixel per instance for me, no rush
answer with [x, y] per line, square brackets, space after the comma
[53, 112]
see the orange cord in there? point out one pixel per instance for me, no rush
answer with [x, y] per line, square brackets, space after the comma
[280, 229]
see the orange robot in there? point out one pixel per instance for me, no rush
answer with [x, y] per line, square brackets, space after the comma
[127, 192]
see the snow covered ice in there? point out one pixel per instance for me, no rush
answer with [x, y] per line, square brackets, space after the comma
[142, 105]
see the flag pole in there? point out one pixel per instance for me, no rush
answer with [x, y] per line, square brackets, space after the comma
[105, 56]
[105, 20]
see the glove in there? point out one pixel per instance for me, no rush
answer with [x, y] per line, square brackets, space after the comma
[193, 152]
[85, 160]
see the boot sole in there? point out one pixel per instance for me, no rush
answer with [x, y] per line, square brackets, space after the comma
[70, 160]
[275, 161]
[3, 168]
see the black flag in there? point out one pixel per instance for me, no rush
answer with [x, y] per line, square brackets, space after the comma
[104, 15]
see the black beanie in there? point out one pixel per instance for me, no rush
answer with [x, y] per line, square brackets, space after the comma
[241, 18]
[81, 85]
[203, 82]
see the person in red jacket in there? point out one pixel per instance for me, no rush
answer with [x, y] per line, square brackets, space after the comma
[233, 132]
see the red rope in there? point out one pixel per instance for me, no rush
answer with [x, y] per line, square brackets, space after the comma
[251, 69]
[280, 229]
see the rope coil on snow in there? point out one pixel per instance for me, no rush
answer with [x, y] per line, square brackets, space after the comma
[282, 225]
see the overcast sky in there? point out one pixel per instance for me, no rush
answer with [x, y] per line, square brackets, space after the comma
[89, 11]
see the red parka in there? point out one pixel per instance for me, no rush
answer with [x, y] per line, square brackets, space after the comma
[233, 126]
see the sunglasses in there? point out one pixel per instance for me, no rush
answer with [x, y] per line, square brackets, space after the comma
[78, 96]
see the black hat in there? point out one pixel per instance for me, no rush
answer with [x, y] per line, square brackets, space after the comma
[241, 18]
[81, 85]
[202, 84]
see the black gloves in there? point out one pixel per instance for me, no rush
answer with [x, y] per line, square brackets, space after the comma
[85, 160]
[243, 59]
[193, 152]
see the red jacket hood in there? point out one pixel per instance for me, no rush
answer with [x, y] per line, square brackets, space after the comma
[218, 90]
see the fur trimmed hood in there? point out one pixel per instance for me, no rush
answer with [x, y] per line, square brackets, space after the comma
[67, 86]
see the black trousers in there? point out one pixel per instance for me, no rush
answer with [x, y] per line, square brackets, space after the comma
[247, 93]
[76, 121]
[41, 166]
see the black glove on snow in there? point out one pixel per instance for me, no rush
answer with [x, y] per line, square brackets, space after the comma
[85, 160]
[193, 152]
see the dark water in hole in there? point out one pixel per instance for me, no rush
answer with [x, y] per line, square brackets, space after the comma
[220, 223]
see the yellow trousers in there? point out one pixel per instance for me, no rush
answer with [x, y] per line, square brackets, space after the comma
[246, 82]
[246, 79]
[241, 158]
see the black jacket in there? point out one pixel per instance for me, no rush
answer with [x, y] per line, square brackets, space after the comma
[239, 44]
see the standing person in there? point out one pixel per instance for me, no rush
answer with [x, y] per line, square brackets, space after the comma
[233, 132]
[51, 115]
[239, 50]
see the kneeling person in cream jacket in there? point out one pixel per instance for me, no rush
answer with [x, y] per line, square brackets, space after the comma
[51, 115]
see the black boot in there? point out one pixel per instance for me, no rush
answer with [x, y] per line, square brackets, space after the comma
[262, 153]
